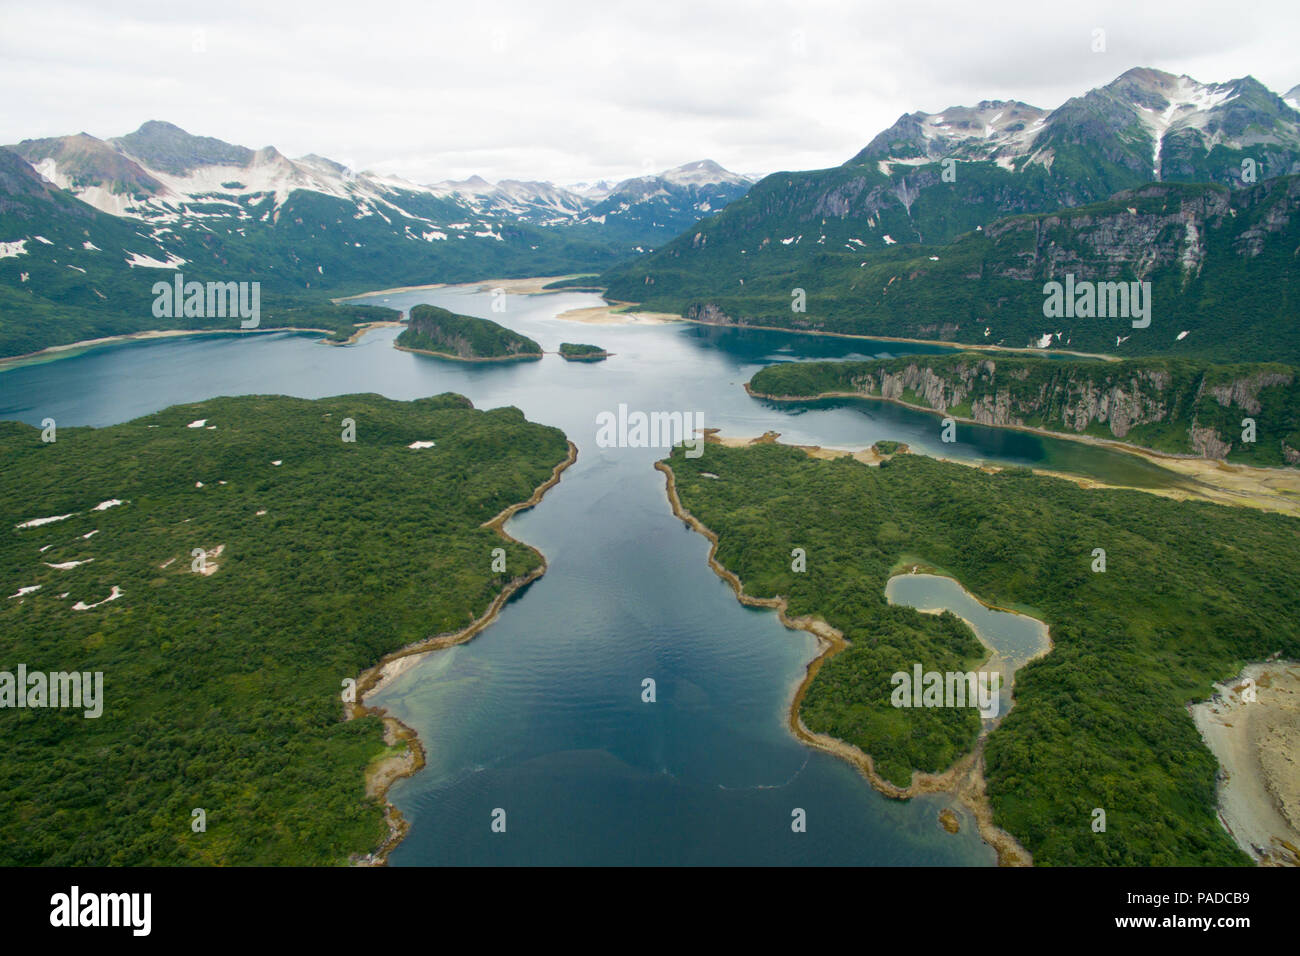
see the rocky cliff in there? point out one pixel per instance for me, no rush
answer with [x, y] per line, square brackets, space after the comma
[1173, 406]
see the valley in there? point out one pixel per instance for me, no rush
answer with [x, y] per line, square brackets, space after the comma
[372, 573]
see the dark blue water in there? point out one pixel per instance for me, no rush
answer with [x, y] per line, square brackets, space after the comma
[541, 714]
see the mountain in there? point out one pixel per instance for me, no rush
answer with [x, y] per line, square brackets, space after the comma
[87, 226]
[1221, 264]
[660, 207]
[642, 212]
[935, 179]
[162, 174]
[170, 149]
[1292, 97]
[931, 177]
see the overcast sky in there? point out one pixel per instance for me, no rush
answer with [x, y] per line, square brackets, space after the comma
[568, 91]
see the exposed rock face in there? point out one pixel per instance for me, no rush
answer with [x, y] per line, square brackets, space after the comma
[1208, 444]
[1244, 392]
[1069, 399]
[708, 313]
[1100, 246]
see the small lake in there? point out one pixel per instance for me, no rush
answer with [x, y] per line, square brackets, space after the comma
[1013, 639]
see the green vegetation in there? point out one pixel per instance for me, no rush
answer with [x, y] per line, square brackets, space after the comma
[1171, 405]
[311, 249]
[222, 691]
[449, 335]
[1191, 591]
[1232, 291]
[582, 353]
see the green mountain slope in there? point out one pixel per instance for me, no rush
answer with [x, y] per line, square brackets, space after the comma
[1222, 267]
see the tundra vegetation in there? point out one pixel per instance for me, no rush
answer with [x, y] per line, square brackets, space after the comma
[1190, 592]
[1220, 264]
[222, 690]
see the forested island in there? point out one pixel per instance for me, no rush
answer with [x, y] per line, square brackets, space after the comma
[219, 564]
[1101, 721]
[435, 331]
[582, 353]
[1176, 406]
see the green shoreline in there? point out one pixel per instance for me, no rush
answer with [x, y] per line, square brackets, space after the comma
[372, 678]
[1141, 451]
[523, 357]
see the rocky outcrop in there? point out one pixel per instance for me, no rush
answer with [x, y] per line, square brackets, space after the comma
[1244, 392]
[709, 314]
[1074, 397]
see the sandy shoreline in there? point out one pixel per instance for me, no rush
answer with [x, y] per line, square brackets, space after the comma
[1256, 745]
[384, 772]
[54, 352]
[533, 285]
[955, 346]
[964, 780]
[612, 313]
[522, 357]
[1220, 482]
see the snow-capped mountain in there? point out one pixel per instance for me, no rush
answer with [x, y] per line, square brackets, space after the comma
[87, 226]
[931, 177]
[1161, 125]
[163, 175]
[1292, 97]
[644, 209]
[996, 130]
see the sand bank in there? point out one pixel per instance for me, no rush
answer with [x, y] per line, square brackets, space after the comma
[1257, 745]
[1269, 489]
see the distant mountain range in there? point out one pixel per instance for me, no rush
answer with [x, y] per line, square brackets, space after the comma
[162, 174]
[943, 226]
[847, 235]
[87, 225]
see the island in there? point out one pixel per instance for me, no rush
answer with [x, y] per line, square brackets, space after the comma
[572, 352]
[1188, 591]
[431, 330]
[234, 595]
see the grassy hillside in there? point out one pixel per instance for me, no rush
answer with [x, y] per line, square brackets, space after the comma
[1172, 405]
[1098, 722]
[222, 691]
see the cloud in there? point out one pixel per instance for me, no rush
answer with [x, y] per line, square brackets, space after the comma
[567, 90]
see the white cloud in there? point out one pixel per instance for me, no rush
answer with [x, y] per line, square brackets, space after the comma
[567, 91]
